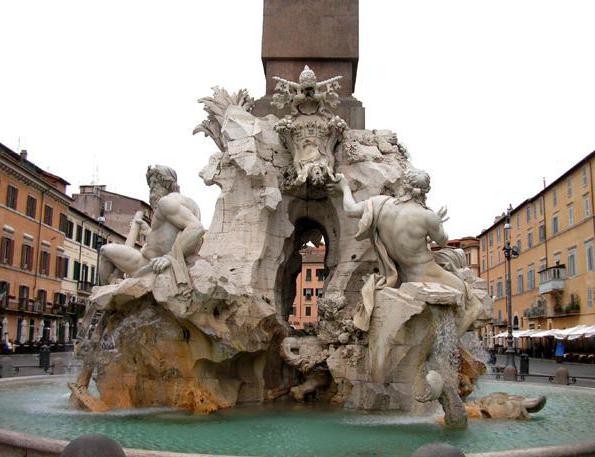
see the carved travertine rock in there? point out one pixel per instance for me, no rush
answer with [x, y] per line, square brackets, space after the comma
[392, 311]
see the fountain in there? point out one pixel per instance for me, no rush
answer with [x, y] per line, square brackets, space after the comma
[186, 346]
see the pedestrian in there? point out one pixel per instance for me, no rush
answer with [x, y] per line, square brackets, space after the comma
[560, 351]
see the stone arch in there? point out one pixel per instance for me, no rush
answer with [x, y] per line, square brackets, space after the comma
[307, 217]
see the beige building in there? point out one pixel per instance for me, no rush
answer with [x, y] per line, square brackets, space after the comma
[82, 237]
[553, 277]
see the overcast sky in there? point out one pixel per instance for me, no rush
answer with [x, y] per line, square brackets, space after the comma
[489, 97]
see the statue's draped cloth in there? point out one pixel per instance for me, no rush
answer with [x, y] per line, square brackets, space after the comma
[387, 277]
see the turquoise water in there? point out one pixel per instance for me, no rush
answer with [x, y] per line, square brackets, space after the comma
[287, 429]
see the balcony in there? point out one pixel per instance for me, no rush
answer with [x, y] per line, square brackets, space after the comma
[552, 279]
[85, 287]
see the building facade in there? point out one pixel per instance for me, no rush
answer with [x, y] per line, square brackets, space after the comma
[118, 210]
[48, 255]
[553, 277]
[309, 287]
[82, 238]
[33, 204]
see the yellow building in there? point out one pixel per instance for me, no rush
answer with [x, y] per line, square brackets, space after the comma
[553, 276]
[81, 236]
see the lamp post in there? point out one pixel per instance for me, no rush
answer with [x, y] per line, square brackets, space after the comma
[510, 252]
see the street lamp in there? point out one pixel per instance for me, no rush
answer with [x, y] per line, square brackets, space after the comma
[510, 252]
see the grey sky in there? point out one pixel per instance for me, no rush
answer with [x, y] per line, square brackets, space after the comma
[489, 97]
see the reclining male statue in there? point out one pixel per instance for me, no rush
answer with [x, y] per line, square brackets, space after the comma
[175, 232]
[400, 229]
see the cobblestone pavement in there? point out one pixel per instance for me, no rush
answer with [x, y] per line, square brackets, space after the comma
[549, 367]
[28, 364]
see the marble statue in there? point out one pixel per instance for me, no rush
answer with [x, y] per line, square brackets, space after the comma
[174, 234]
[200, 319]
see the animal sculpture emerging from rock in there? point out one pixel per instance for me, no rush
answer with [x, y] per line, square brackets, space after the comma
[500, 405]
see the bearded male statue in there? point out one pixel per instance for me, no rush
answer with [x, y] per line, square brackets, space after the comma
[175, 233]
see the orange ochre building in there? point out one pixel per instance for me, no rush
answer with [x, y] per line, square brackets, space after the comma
[309, 287]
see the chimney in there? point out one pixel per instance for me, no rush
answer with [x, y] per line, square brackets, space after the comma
[23, 154]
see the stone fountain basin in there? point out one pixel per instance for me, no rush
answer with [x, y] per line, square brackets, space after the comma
[38, 406]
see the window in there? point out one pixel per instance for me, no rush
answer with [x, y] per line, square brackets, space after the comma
[541, 233]
[85, 273]
[63, 224]
[468, 258]
[23, 295]
[4, 293]
[61, 267]
[6, 250]
[518, 245]
[491, 238]
[530, 278]
[590, 297]
[308, 274]
[308, 292]
[570, 214]
[483, 243]
[44, 263]
[571, 264]
[79, 233]
[76, 271]
[27, 257]
[498, 235]
[569, 188]
[555, 226]
[92, 278]
[48, 215]
[308, 311]
[107, 206]
[87, 237]
[534, 210]
[584, 176]
[491, 260]
[42, 297]
[520, 287]
[492, 289]
[555, 197]
[499, 292]
[483, 264]
[589, 254]
[528, 211]
[541, 206]
[529, 240]
[320, 274]
[518, 221]
[586, 205]
[31, 206]
[12, 197]
[293, 311]
[500, 315]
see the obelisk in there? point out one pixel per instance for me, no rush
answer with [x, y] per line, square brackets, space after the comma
[323, 34]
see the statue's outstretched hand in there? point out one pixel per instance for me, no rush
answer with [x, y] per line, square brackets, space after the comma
[159, 264]
[442, 215]
[338, 186]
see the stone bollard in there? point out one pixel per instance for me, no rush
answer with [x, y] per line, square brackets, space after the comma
[561, 376]
[93, 446]
[5, 367]
[58, 366]
[438, 450]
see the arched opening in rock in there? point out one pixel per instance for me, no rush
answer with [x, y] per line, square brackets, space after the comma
[303, 274]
